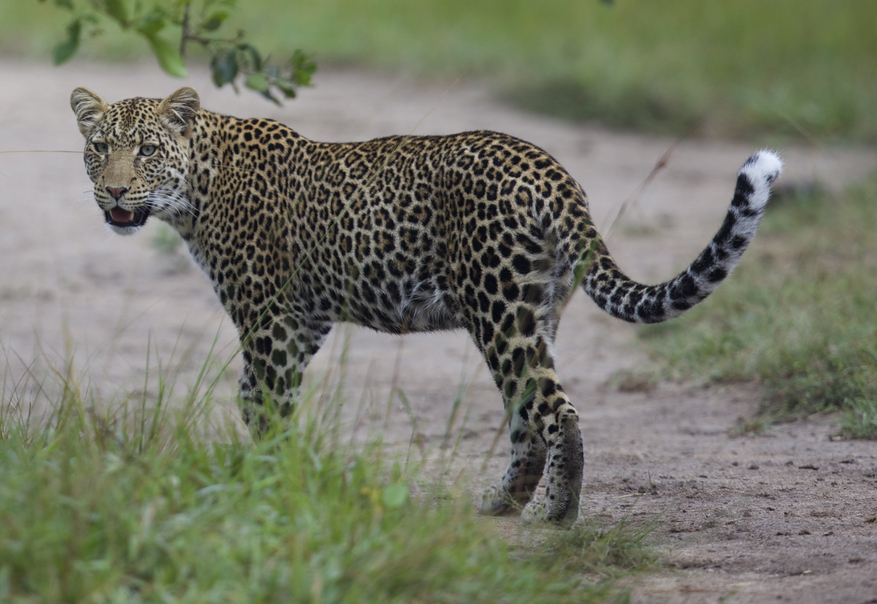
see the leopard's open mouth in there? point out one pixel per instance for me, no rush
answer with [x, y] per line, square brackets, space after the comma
[123, 218]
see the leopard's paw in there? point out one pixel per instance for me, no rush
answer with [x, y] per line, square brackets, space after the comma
[534, 513]
[496, 501]
[539, 512]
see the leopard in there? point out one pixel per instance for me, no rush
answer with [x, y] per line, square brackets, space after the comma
[479, 231]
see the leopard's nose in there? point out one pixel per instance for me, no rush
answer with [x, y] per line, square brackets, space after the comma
[116, 192]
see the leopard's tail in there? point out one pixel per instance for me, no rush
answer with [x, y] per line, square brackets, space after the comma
[626, 299]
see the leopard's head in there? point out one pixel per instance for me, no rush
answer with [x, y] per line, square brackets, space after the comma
[137, 155]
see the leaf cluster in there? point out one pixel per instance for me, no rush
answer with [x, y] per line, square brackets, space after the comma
[170, 26]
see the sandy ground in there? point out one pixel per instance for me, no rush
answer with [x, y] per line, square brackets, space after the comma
[788, 516]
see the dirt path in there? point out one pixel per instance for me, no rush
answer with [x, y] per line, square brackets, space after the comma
[788, 516]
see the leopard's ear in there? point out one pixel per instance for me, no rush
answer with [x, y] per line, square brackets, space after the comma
[89, 108]
[177, 112]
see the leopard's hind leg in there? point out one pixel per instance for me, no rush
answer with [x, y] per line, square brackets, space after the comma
[524, 472]
[543, 424]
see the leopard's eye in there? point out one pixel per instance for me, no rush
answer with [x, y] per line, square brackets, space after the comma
[147, 150]
[102, 147]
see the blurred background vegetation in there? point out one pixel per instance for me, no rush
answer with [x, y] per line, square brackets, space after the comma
[725, 69]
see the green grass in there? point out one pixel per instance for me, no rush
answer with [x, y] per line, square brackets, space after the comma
[148, 501]
[588, 547]
[799, 314]
[726, 68]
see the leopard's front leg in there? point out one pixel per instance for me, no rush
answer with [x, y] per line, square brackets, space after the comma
[275, 358]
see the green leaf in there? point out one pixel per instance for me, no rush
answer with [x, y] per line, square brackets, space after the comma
[168, 55]
[287, 87]
[68, 4]
[214, 22]
[151, 24]
[258, 82]
[117, 10]
[261, 84]
[302, 68]
[224, 66]
[253, 55]
[395, 495]
[66, 49]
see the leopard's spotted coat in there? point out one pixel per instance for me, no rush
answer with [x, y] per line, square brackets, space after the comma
[479, 231]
